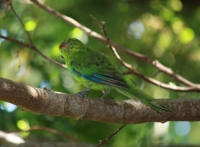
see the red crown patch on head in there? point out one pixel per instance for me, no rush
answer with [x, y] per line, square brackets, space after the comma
[63, 44]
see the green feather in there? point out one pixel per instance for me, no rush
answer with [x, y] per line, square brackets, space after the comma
[94, 70]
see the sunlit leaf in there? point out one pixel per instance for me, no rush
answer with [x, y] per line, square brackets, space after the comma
[176, 5]
[30, 25]
[23, 125]
[186, 35]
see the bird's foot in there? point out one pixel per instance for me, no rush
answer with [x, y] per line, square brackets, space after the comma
[107, 99]
[45, 88]
[107, 91]
[111, 98]
[82, 93]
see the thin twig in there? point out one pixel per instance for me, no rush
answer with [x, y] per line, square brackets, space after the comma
[156, 74]
[109, 137]
[102, 27]
[35, 128]
[131, 70]
[8, 3]
[18, 57]
[166, 86]
[29, 37]
[31, 46]
[150, 80]
[136, 55]
[70, 21]
[96, 21]
[159, 66]
[191, 86]
[34, 48]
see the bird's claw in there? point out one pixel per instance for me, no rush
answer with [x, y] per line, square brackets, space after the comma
[107, 91]
[102, 98]
[83, 95]
[45, 88]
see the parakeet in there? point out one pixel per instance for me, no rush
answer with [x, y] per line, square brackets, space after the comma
[95, 71]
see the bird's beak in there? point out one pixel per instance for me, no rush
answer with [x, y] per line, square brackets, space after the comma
[62, 45]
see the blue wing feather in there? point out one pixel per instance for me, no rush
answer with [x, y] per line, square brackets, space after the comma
[105, 79]
[99, 74]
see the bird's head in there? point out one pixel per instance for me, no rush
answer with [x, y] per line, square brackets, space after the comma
[71, 44]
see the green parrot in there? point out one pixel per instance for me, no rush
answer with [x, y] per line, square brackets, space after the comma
[95, 71]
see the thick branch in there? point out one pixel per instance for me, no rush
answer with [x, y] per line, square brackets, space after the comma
[44, 101]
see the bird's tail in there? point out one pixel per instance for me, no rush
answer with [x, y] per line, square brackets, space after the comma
[133, 91]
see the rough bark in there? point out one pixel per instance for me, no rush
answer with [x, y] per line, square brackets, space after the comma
[44, 101]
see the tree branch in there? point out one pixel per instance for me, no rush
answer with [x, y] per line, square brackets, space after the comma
[191, 86]
[44, 101]
[53, 131]
[29, 37]
[102, 27]
[163, 85]
[34, 48]
[101, 142]
[30, 45]
[131, 70]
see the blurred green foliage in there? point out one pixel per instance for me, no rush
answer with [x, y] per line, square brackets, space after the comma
[164, 30]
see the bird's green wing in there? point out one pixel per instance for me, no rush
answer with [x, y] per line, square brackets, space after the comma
[95, 66]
